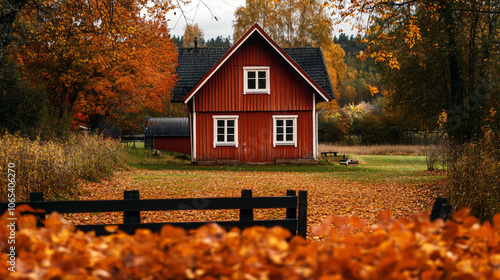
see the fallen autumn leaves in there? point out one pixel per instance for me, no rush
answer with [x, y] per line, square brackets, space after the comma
[327, 195]
[393, 249]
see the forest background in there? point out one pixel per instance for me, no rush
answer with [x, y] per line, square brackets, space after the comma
[98, 63]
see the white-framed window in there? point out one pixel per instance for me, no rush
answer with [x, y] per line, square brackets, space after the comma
[225, 131]
[285, 130]
[256, 79]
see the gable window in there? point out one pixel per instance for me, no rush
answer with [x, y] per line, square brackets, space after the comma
[225, 131]
[256, 80]
[285, 130]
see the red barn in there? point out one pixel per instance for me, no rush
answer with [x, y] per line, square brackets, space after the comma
[254, 102]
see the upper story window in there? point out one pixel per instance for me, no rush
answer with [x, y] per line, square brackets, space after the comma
[256, 80]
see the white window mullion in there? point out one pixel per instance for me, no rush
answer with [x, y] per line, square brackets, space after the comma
[274, 132]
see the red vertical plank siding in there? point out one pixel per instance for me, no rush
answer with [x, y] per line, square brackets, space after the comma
[255, 138]
[173, 144]
[223, 94]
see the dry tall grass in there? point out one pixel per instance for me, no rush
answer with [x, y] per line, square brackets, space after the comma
[374, 150]
[53, 167]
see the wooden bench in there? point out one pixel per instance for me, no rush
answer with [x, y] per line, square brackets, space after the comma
[295, 220]
[325, 154]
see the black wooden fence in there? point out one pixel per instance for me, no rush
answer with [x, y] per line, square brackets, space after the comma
[295, 220]
[441, 209]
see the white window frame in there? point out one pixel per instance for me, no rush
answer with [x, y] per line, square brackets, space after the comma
[284, 142]
[256, 69]
[225, 142]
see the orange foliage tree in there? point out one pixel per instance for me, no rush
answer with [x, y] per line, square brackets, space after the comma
[105, 59]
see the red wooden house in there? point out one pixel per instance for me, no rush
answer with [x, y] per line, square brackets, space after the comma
[254, 102]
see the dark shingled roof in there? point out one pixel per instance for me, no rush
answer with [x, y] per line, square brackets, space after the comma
[167, 127]
[312, 61]
[195, 63]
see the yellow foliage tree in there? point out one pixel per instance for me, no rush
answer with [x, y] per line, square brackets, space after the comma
[437, 55]
[192, 32]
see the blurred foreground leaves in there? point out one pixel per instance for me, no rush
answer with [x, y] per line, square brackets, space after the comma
[350, 249]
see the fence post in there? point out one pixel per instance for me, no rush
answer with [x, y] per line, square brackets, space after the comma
[441, 209]
[302, 221]
[40, 217]
[291, 213]
[131, 217]
[246, 214]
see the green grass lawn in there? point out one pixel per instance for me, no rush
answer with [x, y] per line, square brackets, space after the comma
[132, 145]
[385, 168]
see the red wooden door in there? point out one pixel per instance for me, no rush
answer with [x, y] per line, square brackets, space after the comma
[256, 139]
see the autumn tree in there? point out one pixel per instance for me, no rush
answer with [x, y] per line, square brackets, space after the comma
[362, 82]
[440, 57]
[192, 32]
[69, 48]
[290, 23]
[8, 13]
[302, 23]
[100, 58]
[10, 9]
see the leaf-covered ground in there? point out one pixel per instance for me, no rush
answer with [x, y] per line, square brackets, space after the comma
[327, 194]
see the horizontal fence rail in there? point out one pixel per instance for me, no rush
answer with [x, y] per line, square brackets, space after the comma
[132, 205]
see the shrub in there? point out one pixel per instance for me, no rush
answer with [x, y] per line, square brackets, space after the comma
[333, 128]
[436, 156]
[54, 167]
[474, 178]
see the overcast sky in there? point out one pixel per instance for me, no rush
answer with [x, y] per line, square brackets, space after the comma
[197, 12]
[223, 10]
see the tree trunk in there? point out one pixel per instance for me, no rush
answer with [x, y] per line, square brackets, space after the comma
[456, 113]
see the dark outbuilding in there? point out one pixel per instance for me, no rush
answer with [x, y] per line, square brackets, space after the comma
[168, 134]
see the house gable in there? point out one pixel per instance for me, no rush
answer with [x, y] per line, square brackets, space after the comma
[193, 62]
[225, 90]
